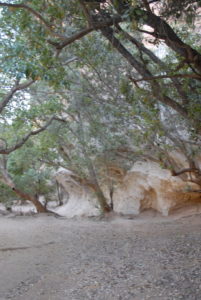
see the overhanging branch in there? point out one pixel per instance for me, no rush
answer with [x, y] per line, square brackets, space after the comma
[38, 16]
[187, 170]
[25, 138]
[78, 35]
[27, 7]
[194, 76]
[16, 87]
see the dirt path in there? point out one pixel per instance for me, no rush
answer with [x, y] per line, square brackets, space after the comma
[46, 258]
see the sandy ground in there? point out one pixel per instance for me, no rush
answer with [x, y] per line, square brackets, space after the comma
[148, 257]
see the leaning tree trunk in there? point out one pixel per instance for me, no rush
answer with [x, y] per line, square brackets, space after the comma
[95, 187]
[6, 179]
[39, 207]
[105, 207]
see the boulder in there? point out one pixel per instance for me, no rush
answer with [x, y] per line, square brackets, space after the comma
[80, 199]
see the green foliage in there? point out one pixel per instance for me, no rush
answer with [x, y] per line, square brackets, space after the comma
[28, 172]
[7, 195]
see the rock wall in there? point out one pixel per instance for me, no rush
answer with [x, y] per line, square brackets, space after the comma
[145, 186]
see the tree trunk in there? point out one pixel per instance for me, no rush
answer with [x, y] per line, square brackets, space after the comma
[94, 185]
[101, 199]
[59, 194]
[109, 34]
[93, 176]
[7, 180]
[39, 207]
[162, 30]
[157, 61]
[97, 189]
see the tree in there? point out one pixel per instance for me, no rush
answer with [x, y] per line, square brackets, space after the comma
[17, 172]
[90, 126]
[55, 40]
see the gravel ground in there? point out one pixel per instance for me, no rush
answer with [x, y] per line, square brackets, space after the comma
[148, 257]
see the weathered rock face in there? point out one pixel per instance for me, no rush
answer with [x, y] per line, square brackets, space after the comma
[80, 200]
[147, 185]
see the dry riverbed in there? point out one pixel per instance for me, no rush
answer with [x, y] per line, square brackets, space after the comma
[148, 257]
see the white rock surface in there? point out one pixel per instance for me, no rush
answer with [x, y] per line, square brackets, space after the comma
[81, 201]
[147, 186]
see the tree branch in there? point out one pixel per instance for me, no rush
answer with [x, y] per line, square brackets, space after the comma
[25, 139]
[194, 76]
[35, 13]
[146, 5]
[86, 12]
[16, 88]
[73, 38]
[156, 60]
[187, 170]
[85, 31]
[143, 71]
[163, 30]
